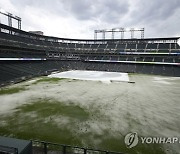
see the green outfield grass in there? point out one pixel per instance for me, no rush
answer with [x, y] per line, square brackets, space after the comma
[36, 120]
[47, 79]
[11, 90]
[92, 114]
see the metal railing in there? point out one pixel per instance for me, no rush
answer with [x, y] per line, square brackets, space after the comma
[42, 147]
[8, 150]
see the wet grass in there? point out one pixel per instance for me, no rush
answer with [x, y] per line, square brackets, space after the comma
[116, 143]
[48, 79]
[22, 125]
[32, 128]
[11, 90]
[42, 127]
[49, 107]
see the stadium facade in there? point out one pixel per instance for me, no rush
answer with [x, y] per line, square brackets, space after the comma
[25, 55]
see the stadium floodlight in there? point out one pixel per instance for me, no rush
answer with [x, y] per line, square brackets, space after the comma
[137, 29]
[178, 42]
[127, 29]
[119, 30]
[18, 18]
[10, 16]
[2, 11]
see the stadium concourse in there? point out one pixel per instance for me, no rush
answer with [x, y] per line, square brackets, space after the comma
[59, 96]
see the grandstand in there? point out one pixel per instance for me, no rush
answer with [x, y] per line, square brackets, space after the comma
[24, 54]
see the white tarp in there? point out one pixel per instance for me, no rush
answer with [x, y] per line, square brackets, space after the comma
[93, 75]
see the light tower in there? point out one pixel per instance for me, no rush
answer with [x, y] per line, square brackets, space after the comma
[119, 30]
[10, 16]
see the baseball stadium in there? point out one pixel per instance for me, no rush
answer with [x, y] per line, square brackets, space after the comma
[63, 95]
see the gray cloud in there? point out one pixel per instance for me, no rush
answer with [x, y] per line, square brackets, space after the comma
[153, 11]
[83, 10]
[106, 10]
[55, 6]
[159, 17]
[114, 10]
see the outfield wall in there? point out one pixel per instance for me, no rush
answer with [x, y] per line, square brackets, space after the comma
[12, 71]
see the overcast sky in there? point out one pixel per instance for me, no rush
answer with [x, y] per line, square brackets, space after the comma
[79, 18]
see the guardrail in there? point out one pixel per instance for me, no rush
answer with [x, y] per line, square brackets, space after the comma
[8, 150]
[48, 147]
